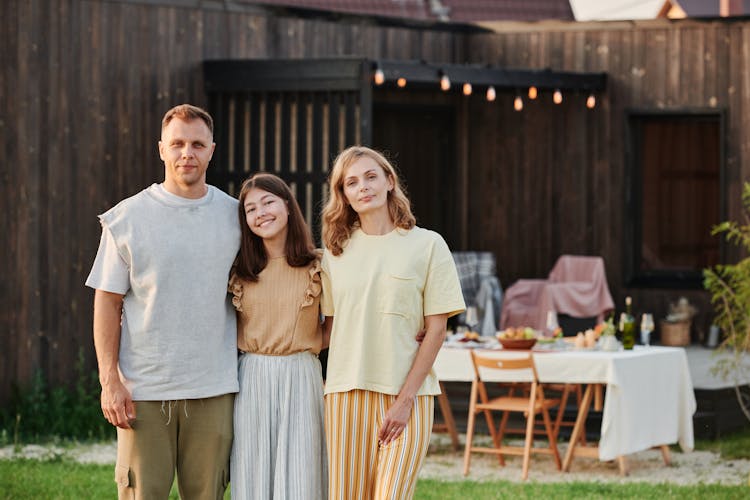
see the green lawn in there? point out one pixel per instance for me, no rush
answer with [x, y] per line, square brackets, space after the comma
[730, 447]
[61, 478]
[64, 479]
[434, 490]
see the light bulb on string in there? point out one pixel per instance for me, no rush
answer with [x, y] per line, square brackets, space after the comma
[591, 101]
[401, 82]
[533, 92]
[379, 77]
[467, 88]
[491, 94]
[445, 83]
[557, 97]
[518, 103]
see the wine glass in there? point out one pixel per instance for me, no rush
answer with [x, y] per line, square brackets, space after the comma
[472, 319]
[647, 326]
[552, 325]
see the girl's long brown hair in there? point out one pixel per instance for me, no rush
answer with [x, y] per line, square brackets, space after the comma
[340, 219]
[299, 248]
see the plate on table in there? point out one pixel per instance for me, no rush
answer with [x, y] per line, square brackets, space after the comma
[467, 340]
[517, 343]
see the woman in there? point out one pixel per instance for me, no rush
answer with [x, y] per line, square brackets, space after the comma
[278, 449]
[383, 280]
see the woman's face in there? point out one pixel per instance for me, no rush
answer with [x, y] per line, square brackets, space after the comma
[366, 186]
[266, 214]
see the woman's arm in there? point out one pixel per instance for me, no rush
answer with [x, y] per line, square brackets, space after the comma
[398, 414]
[327, 326]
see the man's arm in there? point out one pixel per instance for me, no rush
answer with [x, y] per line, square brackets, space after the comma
[116, 401]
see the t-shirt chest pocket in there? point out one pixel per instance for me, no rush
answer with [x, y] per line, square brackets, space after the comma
[399, 294]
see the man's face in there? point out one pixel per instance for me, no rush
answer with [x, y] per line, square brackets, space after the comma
[186, 148]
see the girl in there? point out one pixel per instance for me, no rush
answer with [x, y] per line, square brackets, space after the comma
[278, 449]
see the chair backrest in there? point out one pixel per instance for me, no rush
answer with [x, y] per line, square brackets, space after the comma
[578, 287]
[578, 268]
[503, 364]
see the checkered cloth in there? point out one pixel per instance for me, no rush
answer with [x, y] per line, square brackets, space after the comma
[480, 286]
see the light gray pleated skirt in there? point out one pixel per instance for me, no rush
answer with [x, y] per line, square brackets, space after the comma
[279, 449]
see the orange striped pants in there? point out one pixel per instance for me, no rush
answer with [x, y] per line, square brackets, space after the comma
[359, 468]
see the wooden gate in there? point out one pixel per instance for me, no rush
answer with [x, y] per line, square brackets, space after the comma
[287, 119]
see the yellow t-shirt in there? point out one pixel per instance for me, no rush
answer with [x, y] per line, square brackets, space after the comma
[379, 290]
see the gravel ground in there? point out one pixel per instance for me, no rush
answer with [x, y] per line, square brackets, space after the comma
[443, 463]
[647, 466]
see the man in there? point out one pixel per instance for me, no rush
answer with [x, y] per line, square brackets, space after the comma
[164, 330]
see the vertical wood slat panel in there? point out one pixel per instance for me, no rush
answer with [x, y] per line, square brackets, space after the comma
[269, 129]
[319, 151]
[333, 123]
[286, 131]
[255, 132]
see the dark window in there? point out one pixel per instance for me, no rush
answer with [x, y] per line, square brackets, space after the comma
[675, 198]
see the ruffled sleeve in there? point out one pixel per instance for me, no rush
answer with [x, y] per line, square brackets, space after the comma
[236, 289]
[314, 287]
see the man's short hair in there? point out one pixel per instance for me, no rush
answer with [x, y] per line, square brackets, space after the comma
[188, 112]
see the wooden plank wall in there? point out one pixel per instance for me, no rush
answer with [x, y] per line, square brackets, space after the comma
[551, 179]
[84, 86]
[86, 83]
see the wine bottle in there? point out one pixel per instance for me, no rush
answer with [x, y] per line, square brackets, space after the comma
[627, 325]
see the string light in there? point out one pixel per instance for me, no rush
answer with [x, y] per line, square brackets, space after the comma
[532, 92]
[401, 82]
[445, 83]
[467, 88]
[491, 94]
[518, 103]
[557, 97]
[379, 76]
[591, 101]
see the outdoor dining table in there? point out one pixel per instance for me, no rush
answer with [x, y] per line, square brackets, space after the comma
[649, 398]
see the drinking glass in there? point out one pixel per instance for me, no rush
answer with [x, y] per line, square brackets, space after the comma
[551, 324]
[471, 318]
[647, 326]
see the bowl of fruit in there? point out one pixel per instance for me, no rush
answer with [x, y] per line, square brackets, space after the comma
[517, 338]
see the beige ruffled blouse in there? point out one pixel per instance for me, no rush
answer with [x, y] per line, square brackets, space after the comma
[280, 313]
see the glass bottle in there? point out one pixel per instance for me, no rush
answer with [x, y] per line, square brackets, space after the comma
[627, 325]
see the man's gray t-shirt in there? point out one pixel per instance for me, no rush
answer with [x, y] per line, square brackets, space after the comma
[171, 257]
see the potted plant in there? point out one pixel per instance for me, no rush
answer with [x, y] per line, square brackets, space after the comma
[729, 286]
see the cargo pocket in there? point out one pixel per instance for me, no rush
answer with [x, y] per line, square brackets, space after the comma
[123, 478]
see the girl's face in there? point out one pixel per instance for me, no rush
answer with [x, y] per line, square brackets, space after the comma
[366, 186]
[266, 214]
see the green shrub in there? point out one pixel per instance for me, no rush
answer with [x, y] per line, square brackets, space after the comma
[39, 412]
[729, 285]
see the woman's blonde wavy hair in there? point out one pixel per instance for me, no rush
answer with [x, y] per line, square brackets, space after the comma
[340, 219]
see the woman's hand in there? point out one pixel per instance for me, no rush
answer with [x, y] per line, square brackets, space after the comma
[395, 421]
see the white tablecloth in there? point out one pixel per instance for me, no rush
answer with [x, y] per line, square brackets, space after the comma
[649, 400]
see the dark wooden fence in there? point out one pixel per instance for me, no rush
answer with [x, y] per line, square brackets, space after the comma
[85, 84]
[82, 93]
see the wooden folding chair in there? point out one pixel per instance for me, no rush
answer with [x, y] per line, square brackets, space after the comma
[560, 394]
[563, 392]
[530, 404]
